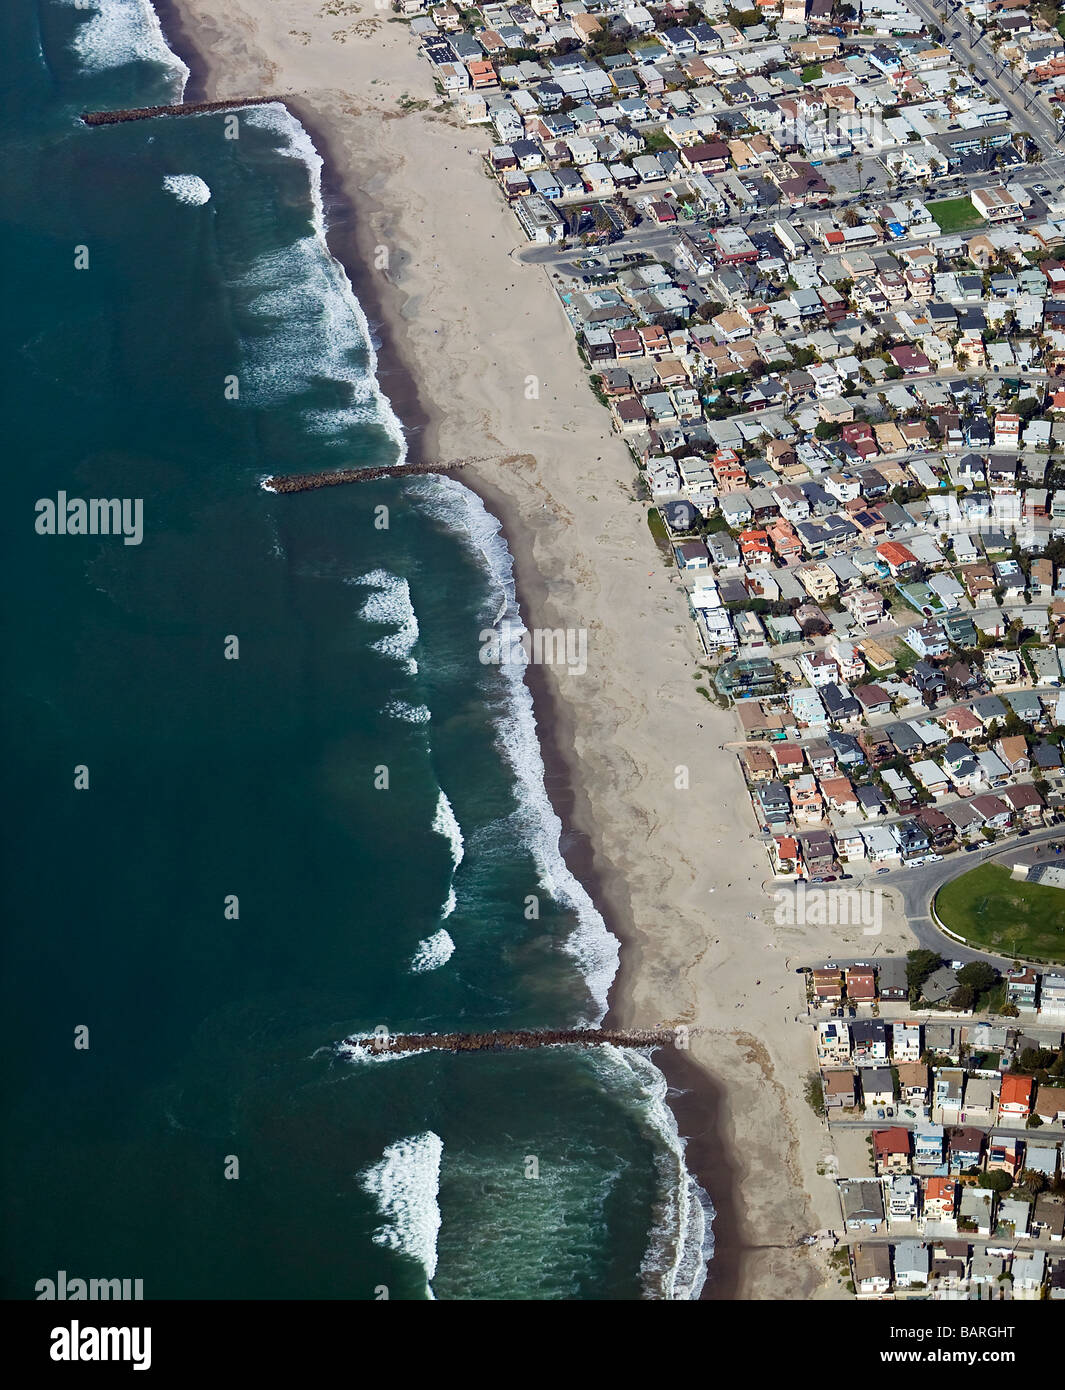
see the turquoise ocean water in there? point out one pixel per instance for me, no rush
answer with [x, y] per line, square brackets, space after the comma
[212, 1037]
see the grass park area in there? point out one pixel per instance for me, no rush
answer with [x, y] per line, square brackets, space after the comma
[1008, 916]
[955, 214]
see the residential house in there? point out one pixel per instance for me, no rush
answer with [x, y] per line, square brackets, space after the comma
[892, 979]
[994, 812]
[833, 1043]
[912, 1264]
[1004, 1153]
[904, 1195]
[872, 1270]
[906, 1042]
[948, 1089]
[913, 1083]
[1052, 994]
[839, 1089]
[862, 1203]
[1015, 1099]
[940, 1196]
[861, 982]
[1022, 987]
[928, 1141]
[965, 1147]
[869, 1042]
[979, 1102]
[976, 1211]
[1014, 753]
[891, 1151]
[1048, 1217]
[827, 984]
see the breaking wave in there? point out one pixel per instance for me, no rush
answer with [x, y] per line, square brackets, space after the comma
[187, 188]
[433, 952]
[117, 32]
[321, 328]
[406, 1184]
[408, 713]
[593, 946]
[390, 605]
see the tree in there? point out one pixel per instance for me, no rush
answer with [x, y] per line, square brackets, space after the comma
[919, 965]
[1034, 1181]
[962, 998]
[978, 976]
[995, 1181]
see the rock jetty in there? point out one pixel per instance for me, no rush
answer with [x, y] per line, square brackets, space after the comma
[306, 482]
[185, 108]
[521, 1039]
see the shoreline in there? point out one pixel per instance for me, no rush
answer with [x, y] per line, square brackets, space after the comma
[694, 1097]
[697, 1097]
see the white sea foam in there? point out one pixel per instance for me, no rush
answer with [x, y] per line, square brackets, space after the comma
[433, 952]
[320, 320]
[408, 713]
[595, 948]
[406, 1183]
[351, 1052]
[390, 605]
[446, 823]
[187, 188]
[681, 1241]
[117, 32]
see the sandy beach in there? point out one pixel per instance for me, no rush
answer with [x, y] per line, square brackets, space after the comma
[658, 821]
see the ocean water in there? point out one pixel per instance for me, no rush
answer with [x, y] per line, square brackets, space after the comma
[338, 829]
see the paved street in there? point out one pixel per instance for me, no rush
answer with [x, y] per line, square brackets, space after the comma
[971, 46]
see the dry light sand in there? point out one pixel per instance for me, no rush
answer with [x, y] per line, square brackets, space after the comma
[675, 868]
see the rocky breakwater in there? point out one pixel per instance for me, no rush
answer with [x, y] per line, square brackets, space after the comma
[307, 482]
[520, 1039]
[185, 108]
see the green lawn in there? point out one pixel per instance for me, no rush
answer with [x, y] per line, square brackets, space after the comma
[905, 657]
[660, 532]
[955, 214]
[989, 908]
[656, 140]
